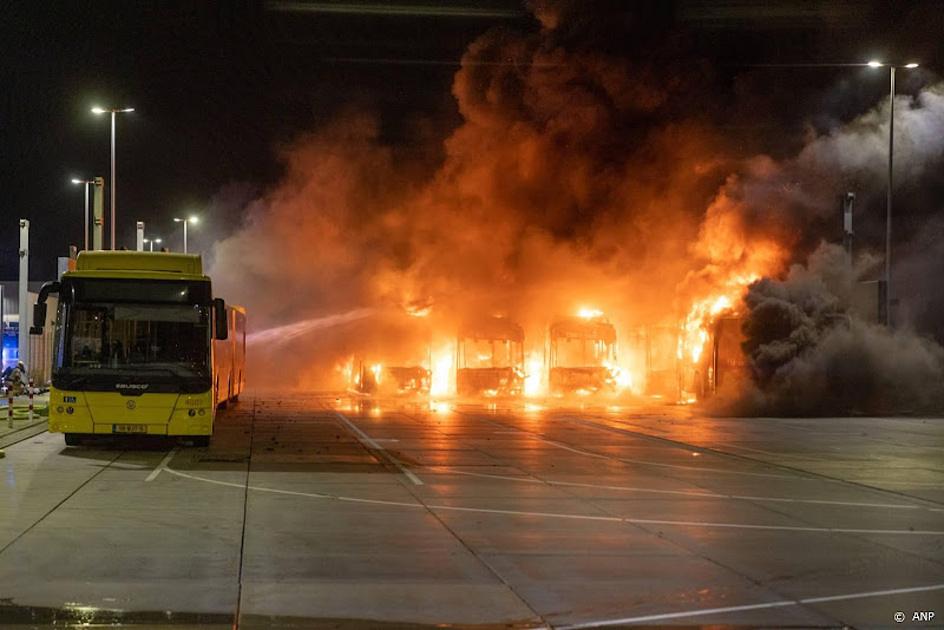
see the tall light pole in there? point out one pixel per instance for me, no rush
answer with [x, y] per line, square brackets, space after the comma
[193, 220]
[888, 198]
[85, 230]
[113, 111]
[151, 241]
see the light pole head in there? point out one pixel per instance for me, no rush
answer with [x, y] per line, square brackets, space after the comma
[98, 110]
[157, 240]
[911, 65]
[78, 181]
[125, 110]
[194, 220]
[177, 219]
[875, 64]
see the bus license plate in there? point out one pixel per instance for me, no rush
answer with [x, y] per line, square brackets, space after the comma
[129, 428]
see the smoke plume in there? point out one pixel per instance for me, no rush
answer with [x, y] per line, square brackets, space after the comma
[812, 353]
[576, 178]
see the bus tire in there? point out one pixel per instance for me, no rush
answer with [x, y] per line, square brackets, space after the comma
[72, 439]
[201, 440]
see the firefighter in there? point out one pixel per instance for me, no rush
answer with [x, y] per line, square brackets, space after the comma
[15, 380]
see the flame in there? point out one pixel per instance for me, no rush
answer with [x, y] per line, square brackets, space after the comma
[586, 312]
[622, 377]
[442, 364]
[703, 313]
[439, 406]
[534, 382]
[377, 369]
[346, 370]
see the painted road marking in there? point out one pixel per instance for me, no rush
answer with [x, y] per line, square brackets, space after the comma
[691, 493]
[576, 517]
[162, 465]
[777, 604]
[643, 462]
[372, 443]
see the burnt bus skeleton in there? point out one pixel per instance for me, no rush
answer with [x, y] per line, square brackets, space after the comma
[490, 358]
[582, 356]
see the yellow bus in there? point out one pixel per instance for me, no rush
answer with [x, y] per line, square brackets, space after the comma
[141, 346]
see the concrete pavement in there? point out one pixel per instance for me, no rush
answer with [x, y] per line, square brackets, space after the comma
[312, 511]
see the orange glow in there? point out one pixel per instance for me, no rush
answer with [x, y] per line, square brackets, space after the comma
[377, 369]
[418, 311]
[439, 406]
[443, 361]
[704, 312]
[589, 313]
[622, 378]
[535, 383]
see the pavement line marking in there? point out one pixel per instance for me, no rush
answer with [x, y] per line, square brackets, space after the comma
[776, 604]
[162, 465]
[372, 443]
[578, 517]
[690, 493]
[664, 465]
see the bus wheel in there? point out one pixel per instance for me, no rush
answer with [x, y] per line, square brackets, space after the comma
[201, 440]
[72, 439]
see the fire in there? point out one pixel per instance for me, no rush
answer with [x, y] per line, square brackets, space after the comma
[694, 334]
[346, 370]
[622, 377]
[534, 382]
[589, 313]
[442, 365]
[377, 369]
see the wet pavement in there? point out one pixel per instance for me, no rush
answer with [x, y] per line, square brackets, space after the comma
[316, 511]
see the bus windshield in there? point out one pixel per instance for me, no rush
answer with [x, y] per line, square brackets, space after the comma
[169, 338]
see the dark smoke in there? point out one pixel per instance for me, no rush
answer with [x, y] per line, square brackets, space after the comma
[811, 353]
[581, 174]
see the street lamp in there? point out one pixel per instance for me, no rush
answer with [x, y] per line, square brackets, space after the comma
[86, 182]
[193, 220]
[113, 111]
[888, 199]
[151, 241]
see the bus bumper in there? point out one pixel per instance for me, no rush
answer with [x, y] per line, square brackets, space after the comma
[112, 413]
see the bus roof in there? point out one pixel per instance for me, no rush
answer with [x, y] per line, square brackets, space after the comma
[157, 265]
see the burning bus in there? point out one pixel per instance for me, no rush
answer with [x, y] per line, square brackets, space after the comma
[656, 351]
[490, 358]
[393, 356]
[583, 355]
[398, 380]
[727, 369]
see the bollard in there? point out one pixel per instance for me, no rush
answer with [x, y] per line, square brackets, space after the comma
[31, 401]
[9, 407]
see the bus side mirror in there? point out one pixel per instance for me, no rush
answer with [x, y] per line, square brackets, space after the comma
[39, 318]
[221, 325]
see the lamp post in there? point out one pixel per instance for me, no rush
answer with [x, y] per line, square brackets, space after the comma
[193, 220]
[888, 198]
[151, 242]
[85, 230]
[113, 111]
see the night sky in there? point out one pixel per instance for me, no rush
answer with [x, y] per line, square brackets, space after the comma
[220, 87]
